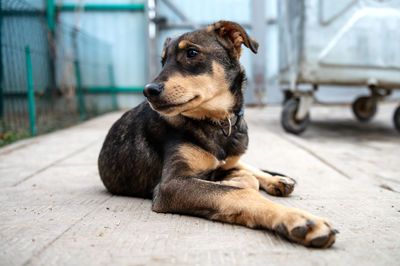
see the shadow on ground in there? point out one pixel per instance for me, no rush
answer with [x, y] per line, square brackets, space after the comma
[348, 128]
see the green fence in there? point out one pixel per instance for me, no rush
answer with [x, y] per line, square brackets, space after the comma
[46, 74]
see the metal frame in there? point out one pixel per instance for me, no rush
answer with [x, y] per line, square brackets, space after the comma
[52, 9]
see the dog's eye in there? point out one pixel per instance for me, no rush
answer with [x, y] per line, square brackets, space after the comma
[191, 53]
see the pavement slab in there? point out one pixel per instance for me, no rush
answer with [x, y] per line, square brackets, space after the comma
[55, 211]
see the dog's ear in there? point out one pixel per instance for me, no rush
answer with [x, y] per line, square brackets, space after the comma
[167, 41]
[235, 35]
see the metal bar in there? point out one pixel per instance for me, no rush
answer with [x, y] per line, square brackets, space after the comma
[113, 89]
[22, 13]
[333, 18]
[189, 25]
[304, 106]
[85, 89]
[50, 14]
[102, 7]
[31, 95]
[176, 10]
[19, 94]
[51, 25]
[114, 101]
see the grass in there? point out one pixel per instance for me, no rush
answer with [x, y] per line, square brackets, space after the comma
[10, 136]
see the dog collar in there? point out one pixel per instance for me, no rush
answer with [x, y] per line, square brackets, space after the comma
[231, 122]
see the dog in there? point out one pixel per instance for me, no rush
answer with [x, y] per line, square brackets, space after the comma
[182, 147]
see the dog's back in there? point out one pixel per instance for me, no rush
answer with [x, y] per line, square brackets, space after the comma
[130, 161]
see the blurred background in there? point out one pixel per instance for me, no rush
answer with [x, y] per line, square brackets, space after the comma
[67, 61]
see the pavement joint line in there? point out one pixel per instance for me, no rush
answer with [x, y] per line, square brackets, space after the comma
[37, 254]
[389, 179]
[321, 159]
[54, 163]
[4, 151]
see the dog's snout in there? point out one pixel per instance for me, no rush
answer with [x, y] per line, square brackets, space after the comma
[152, 90]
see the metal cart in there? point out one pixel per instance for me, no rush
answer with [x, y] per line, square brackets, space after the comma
[343, 42]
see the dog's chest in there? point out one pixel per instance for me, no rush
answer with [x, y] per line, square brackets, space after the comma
[222, 146]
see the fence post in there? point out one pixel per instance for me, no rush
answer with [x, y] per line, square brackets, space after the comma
[31, 92]
[51, 39]
[50, 15]
[114, 101]
[81, 101]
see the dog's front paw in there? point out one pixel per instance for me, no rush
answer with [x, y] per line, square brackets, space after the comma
[279, 185]
[306, 229]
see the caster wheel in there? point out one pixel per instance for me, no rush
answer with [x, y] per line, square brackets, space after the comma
[364, 108]
[287, 95]
[288, 117]
[396, 118]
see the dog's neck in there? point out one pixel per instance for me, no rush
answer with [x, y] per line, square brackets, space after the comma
[230, 123]
[236, 89]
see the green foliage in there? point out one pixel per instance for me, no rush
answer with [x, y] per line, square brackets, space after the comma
[11, 136]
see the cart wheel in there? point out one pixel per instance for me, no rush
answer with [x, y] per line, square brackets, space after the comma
[288, 117]
[364, 108]
[396, 118]
[287, 95]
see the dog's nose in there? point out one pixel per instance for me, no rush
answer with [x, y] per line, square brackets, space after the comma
[152, 90]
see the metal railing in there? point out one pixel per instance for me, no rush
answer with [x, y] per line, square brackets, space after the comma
[45, 73]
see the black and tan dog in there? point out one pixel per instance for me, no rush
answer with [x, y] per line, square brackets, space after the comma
[182, 147]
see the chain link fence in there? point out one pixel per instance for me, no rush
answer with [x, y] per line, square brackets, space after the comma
[46, 75]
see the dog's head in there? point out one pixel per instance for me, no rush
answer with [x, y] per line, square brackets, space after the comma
[199, 69]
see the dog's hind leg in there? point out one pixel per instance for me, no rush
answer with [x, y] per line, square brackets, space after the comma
[273, 183]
